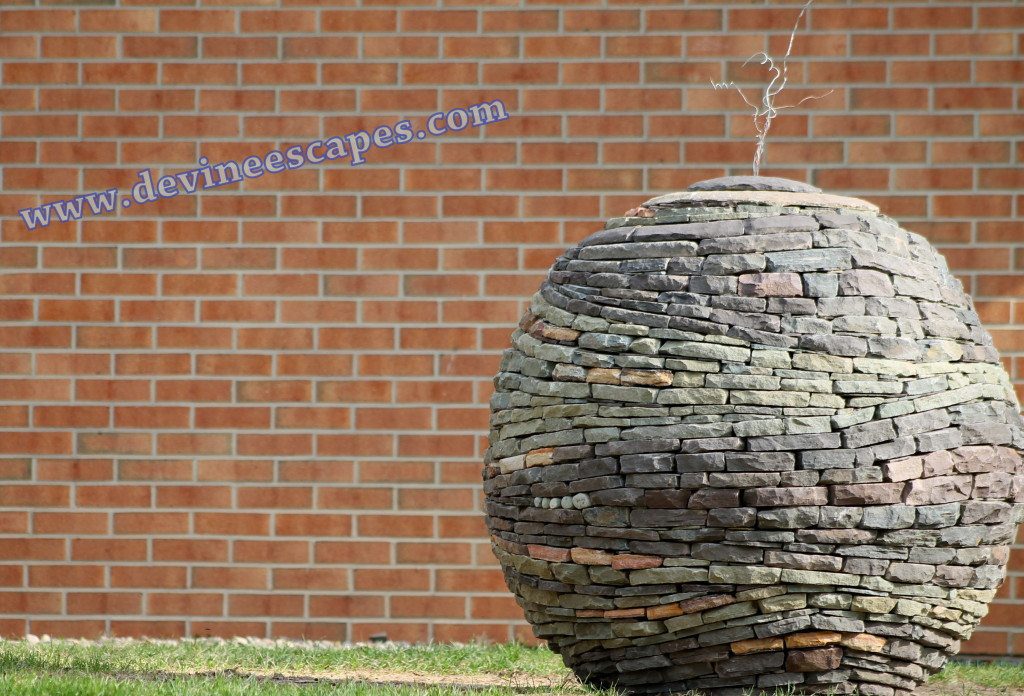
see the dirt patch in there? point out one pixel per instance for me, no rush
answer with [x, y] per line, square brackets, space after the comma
[517, 683]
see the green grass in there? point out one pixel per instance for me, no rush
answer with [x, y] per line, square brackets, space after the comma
[204, 655]
[991, 674]
[27, 684]
[210, 668]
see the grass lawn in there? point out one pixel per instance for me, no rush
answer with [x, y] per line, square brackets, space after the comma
[215, 668]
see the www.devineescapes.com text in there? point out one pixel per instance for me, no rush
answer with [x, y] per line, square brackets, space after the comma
[353, 146]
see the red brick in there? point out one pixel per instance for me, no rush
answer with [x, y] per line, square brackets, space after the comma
[232, 417]
[235, 470]
[233, 364]
[342, 606]
[105, 603]
[114, 495]
[265, 605]
[193, 550]
[185, 603]
[17, 602]
[433, 554]
[25, 443]
[151, 522]
[399, 525]
[298, 524]
[73, 469]
[932, 17]
[70, 523]
[232, 524]
[147, 629]
[271, 551]
[193, 444]
[233, 578]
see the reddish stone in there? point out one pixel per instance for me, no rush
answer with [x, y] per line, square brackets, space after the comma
[549, 553]
[634, 613]
[820, 660]
[692, 606]
[629, 561]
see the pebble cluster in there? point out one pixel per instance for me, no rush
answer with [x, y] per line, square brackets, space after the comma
[748, 439]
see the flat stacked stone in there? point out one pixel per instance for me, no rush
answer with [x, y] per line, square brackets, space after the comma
[753, 437]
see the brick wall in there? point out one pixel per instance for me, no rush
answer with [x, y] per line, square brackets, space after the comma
[261, 410]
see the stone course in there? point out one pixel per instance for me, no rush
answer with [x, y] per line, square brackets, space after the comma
[751, 438]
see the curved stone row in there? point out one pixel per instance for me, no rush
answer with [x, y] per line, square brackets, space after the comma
[744, 444]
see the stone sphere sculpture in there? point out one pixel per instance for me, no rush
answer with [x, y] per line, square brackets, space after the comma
[752, 436]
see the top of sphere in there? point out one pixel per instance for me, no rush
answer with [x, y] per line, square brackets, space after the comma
[753, 183]
[764, 190]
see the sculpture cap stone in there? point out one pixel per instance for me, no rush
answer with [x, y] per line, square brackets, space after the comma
[764, 190]
[753, 183]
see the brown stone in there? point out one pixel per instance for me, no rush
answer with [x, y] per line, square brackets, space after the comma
[549, 553]
[745, 647]
[713, 498]
[664, 611]
[865, 642]
[819, 660]
[692, 606]
[632, 613]
[542, 329]
[648, 378]
[604, 375]
[813, 639]
[630, 561]
[867, 494]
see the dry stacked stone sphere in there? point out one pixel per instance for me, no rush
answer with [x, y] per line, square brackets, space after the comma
[749, 436]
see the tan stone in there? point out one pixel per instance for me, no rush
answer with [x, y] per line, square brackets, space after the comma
[873, 605]
[777, 198]
[865, 642]
[906, 469]
[664, 611]
[591, 557]
[540, 457]
[604, 375]
[745, 647]
[542, 329]
[648, 378]
[814, 639]
[771, 285]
